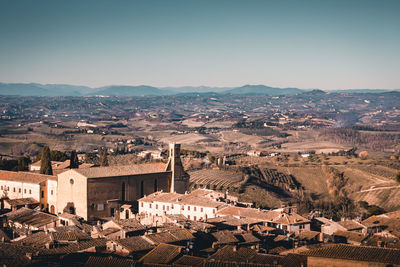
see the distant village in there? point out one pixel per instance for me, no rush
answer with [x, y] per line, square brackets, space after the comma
[79, 214]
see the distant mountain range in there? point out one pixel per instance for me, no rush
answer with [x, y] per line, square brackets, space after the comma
[36, 89]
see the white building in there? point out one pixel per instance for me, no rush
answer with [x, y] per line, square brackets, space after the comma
[195, 206]
[155, 154]
[42, 188]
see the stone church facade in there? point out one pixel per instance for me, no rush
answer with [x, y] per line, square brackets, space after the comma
[99, 192]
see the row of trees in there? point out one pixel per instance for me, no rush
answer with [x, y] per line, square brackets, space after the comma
[45, 157]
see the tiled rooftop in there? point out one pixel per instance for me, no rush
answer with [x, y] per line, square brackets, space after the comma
[113, 171]
[162, 254]
[358, 253]
[26, 177]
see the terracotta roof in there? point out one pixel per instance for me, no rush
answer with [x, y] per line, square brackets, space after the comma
[224, 237]
[247, 238]
[262, 215]
[232, 221]
[13, 255]
[68, 235]
[129, 225]
[357, 253]
[230, 253]
[292, 218]
[25, 177]
[30, 217]
[135, 243]
[190, 261]
[162, 254]
[114, 171]
[109, 231]
[375, 221]
[351, 236]
[74, 247]
[38, 239]
[350, 225]
[308, 235]
[108, 260]
[171, 236]
[161, 197]
[21, 201]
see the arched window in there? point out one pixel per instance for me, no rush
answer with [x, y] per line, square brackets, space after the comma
[52, 209]
[155, 185]
[123, 192]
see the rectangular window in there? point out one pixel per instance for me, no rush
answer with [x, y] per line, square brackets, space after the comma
[163, 207]
[150, 205]
[188, 207]
[1, 187]
[30, 191]
[42, 194]
[201, 209]
[141, 204]
[194, 208]
[14, 189]
[156, 206]
[19, 190]
[100, 207]
[51, 192]
[194, 218]
[24, 191]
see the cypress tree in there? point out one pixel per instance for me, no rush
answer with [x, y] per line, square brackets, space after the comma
[45, 167]
[74, 162]
[104, 159]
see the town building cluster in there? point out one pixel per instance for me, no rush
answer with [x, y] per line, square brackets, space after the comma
[142, 215]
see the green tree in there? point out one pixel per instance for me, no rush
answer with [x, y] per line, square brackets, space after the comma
[23, 163]
[104, 159]
[45, 167]
[74, 162]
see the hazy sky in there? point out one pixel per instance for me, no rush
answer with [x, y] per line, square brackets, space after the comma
[306, 44]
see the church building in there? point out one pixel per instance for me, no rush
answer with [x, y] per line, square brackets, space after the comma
[99, 192]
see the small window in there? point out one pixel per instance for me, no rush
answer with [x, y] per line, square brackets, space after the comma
[188, 207]
[1, 187]
[189, 217]
[51, 192]
[30, 191]
[14, 189]
[214, 211]
[156, 206]
[19, 190]
[167, 207]
[150, 205]
[42, 194]
[100, 207]
[194, 218]
[201, 209]
[24, 191]
[194, 208]
[172, 206]
[71, 181]
[141, 204]
[163, 207]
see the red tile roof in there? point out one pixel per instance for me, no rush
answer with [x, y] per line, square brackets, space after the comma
[25, 177]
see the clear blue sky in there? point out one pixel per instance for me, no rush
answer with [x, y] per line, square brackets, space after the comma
[306, 44]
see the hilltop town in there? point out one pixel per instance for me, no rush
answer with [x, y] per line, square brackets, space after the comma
[161, 210]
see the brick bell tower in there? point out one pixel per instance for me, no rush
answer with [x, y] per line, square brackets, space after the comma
[180, 179]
